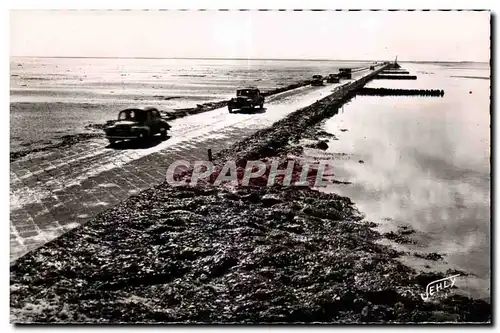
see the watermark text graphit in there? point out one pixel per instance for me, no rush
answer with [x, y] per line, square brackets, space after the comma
[253, 172]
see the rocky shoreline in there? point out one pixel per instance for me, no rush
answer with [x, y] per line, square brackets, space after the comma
[230, 254]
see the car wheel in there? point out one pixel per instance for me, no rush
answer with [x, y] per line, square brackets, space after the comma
[163, 133]
[230, 109]
[262, 105]
[142, 137]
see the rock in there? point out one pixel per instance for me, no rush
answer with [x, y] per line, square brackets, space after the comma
[295, 228]
[251, 197]
[429, 256]
[222, 264]
[366, 311]
[406, 230]
[441, 316]
[322, 144]
[270, 199]
[398, 238]
[230, 196]
[325, 134]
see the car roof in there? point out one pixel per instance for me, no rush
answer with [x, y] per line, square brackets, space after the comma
[141, 109]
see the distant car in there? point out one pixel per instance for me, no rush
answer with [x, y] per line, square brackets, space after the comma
[317, 80]
[333, 78]
[345, 73]
[137, 124]
[246, 98]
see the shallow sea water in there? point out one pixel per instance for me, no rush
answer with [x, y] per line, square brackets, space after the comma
[424, 162]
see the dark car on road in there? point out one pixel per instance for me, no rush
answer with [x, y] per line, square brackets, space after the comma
[137, 124]
[246, 98]
[345, 73]
[333, 78]
[317, 80]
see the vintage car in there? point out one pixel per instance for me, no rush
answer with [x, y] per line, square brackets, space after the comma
[317, 80]
[345, 73]
[137, 124]
[333, 78]
[246, 98]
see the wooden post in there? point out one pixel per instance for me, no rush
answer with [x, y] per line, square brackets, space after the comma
[210, 155]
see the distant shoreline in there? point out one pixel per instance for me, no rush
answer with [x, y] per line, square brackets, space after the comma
[252, 59]
[196, 58]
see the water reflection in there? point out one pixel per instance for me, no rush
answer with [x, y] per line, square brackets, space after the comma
[426, 164]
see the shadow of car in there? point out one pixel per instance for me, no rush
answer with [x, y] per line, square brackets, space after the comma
[136, 144]
[250, 110]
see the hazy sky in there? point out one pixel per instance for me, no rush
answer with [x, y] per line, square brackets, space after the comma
[446, 36]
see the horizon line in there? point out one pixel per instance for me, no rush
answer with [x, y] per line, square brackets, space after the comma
[219, 58]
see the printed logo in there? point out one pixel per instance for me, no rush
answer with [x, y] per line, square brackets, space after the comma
[441, 284]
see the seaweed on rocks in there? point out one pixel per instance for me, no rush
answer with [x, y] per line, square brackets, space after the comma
[429, 256]
[205, 255]
[320, 144]
[401, 236]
